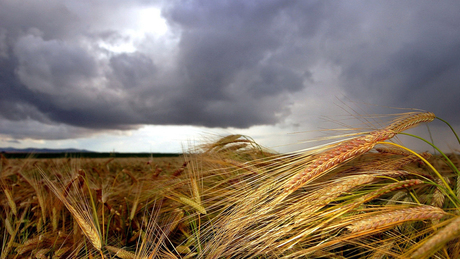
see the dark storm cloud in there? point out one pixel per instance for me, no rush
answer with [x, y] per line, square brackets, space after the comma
[401, 54]
[226, 63]
[232, 56]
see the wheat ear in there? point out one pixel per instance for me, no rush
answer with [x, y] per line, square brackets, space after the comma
[345, 184]
[411, 121]
[11, 202]
[438, 196]
[88, 229]
[192, 204]
[449, 232]
[121, 253]
[81, 213]
[389, 188]
[385, 220]
[353, 148]
[336, 156]
[399, 163]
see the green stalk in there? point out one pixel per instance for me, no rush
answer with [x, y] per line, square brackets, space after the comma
[451, 192]
[108, 224]
[449, 162]
[455, 133]
[431, 137]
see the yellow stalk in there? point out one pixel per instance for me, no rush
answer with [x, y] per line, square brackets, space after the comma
[432, 168]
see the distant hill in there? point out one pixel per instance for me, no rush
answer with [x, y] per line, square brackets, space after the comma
[42, 150]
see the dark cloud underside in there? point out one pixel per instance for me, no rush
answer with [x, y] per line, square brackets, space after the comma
[223, 63]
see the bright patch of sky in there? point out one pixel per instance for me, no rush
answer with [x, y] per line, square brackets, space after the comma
[115, 75]
[148, 21]
[164, 139]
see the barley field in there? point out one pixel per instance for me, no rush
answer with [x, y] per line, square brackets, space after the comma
[363, 195]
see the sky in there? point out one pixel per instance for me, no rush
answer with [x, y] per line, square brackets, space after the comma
[157, 76]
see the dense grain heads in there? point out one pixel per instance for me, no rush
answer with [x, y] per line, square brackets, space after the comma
[355, 147]
[337, 155]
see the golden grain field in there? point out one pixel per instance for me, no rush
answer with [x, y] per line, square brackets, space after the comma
[363, 196]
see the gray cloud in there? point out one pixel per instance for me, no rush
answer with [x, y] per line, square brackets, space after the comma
[401, 54]
[223, 63]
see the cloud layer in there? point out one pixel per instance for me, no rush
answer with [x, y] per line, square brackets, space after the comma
[70, 69]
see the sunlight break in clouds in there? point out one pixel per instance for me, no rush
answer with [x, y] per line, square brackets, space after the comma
[99, 74]
[148, 22]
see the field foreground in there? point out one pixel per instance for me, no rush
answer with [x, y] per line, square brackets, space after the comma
[361, 197]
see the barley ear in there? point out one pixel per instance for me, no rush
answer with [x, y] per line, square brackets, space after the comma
[195, 190]
[8, 227]
[192, 204]
[121, 253]
[11, 202]
[89, 230]
[80, 213]
[336, 156]
[411, 121]
[385, 220]
[437, 241]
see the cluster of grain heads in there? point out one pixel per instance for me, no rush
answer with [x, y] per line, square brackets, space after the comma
[337, 156]
[12, 227]
[353, 148]
[234, 199]
[82, 210]
[329, 200]
[44, 244]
